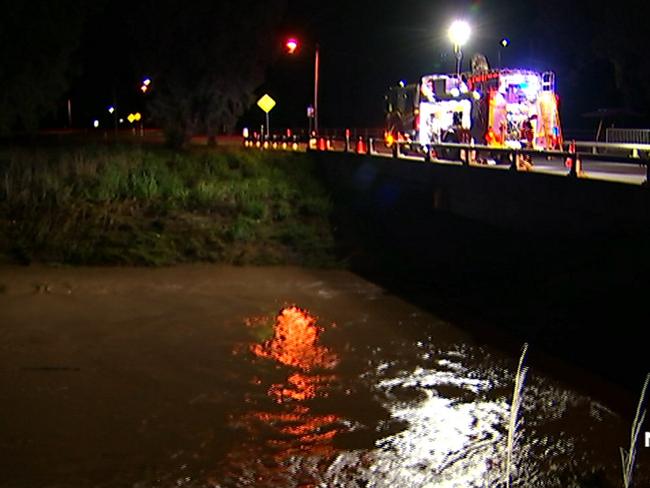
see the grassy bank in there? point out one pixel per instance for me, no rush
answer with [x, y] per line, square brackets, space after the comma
[150, 206]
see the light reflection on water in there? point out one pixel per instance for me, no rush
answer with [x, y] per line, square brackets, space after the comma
[451, 408]
[195, 395]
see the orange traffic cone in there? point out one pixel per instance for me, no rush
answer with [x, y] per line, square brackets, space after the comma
[321, 144]
[568, 162]
[361, 146]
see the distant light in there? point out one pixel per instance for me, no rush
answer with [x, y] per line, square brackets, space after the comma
[476, 95]
[402, 83]
[245, 133]
[144, 88]
[505, 42]
[131, 118]
[459, 32]
[454, 92]
[291, 45]
[121, 120]
[146, 82]
[111, 109]
[137, 116]
[95, 123]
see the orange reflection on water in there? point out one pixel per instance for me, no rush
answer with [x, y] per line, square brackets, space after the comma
[297, 428]
[294, 342]
[299, 387]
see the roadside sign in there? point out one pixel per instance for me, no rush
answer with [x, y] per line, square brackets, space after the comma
[266, 103]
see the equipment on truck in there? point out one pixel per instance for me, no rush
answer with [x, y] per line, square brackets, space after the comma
[497, 108]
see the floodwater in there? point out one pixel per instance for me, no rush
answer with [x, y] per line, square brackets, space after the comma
[212, 376]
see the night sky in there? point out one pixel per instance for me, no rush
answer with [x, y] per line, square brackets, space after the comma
[367, 46]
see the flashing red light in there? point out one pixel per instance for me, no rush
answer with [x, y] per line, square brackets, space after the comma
[291, 45]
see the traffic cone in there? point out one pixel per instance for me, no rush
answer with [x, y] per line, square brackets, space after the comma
[361, 146]
[321, 144]
[569, 160]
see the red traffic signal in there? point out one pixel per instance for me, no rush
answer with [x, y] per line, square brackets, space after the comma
[291, 45]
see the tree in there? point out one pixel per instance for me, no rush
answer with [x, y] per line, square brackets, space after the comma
[599, 49]
[205, 58]
[37, 42]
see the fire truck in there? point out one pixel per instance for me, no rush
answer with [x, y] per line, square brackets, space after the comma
[504, 108]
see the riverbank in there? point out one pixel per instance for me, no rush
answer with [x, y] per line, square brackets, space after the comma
[145, 205]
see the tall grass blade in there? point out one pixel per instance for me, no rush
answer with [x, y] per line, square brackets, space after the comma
[628, 457]
[514, 413]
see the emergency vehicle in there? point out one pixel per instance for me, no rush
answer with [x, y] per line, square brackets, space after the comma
[496, 108]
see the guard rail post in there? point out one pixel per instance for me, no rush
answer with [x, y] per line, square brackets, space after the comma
[573, 171]
[464, 160]
[512, 156]
[427, 153]
[646, 183]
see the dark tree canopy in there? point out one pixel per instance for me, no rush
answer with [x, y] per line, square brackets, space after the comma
[206, 58]
[37, 41]
[600, 50]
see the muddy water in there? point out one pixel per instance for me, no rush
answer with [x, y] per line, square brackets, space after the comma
[273, 377]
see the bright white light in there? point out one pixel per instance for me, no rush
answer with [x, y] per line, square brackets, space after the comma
[146, 82]
[111, 109]
[402, 83]
[459, 32]
[245, 132]
[121, 121]
[95, 123]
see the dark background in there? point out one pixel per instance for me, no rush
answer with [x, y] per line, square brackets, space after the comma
[598, 51]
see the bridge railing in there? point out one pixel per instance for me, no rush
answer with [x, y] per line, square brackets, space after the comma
[370, 142]
[630, 136]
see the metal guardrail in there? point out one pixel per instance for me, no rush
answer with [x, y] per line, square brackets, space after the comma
[624, 153]
[630, 136]
[635, 150]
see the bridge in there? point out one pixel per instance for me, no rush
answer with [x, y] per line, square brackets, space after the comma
[605, 161]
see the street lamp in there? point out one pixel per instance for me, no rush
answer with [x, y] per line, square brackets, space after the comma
[292, 46]
[503, 43]
[459, 32]
[145, 85]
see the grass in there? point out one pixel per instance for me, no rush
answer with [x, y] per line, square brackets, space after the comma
[514, 423]
[627, 457]
[151, 206]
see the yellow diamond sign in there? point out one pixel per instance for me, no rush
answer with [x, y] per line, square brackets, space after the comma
[266, 103]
